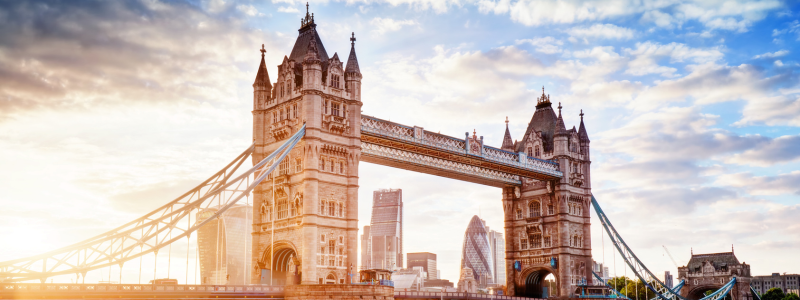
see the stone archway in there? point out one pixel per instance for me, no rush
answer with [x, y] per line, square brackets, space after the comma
[699, 292]
[284, 257]
[532, 283]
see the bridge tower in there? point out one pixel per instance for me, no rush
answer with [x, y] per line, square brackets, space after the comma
[709, 272]
[311, 202]
[547, 222]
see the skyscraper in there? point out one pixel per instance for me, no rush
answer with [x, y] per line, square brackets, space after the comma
[477, 254]
[426, 260]
[497, 245]
[225, 245]
[384, 236]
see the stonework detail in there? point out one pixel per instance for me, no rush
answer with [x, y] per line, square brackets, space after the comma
[310, 203]
[709, 272]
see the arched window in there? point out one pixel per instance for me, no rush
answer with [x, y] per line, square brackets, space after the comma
[284, 167]
[529, 152]
[534, 209]
[322, 207]
[341, 241]
[331, 209]
[283, 205]
[322, 239]
[537, 151]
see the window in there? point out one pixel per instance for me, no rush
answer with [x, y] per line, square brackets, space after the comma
[322, 249]
[523, 244]
[341, 167]
[325, 106]
[519, 214]
[298, 165]
[283, 207]
[288, 112]
[322, 164]
[294, 111]
[334, 166]
[265, 217]
[322, 208]
[341, 241]
[332, 247]
[280, 88]
[282, 115]
[550, 209]
[536, 240]
[534, 209]
[331, 262]
[529, 152]
[284, 167]
[274, 116]
[288, 87]
[339, 206]
[537, 151]
[322, 238]
[335, 109]
[331, 209]
[547, 242]
[331, 165]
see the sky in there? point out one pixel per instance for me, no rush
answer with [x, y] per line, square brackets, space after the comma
[108, 109]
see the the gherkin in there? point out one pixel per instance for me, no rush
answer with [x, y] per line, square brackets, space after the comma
[476, 253]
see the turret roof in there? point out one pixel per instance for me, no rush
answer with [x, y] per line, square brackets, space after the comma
[308, 30]
[508, 143]
[582, 130]
[352, 61]
[262, 77]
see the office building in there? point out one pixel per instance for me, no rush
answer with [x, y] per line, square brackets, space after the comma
[225, 245]
[476, 255]
[382, 242]
[497, 244]
[788, 283]
[426, 260]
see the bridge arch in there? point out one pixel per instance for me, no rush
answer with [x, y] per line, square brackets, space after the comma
[698, 292]
[531, 283]
[285, 253]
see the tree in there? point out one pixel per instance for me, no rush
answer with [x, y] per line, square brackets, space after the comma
[791, 296]
[773, 294]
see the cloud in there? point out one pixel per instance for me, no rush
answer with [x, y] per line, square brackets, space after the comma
[547, 45]
[772, 111]
[781, 184]
[779, 150]
[772, 54]
[384, 25]
[288, 9]
[600, 31]
[646, 56]
[249, 10]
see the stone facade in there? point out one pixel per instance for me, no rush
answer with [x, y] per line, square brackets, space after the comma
[339, 292]
[547, 222]
[311, 201]
[709, 272]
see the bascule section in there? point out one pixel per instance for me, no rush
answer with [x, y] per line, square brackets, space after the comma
[547, 221]
[305, 214]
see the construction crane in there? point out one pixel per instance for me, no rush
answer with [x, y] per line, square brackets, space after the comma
[670, 256]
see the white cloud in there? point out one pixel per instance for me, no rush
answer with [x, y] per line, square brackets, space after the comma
[772, 54]
[547, 45]
[646, 56]
[248, 10]
[288, 9]
[781, 184]
[600, 31]
[384, 25]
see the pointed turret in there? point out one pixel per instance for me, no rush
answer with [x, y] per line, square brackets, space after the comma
[262, 77]
[508, 143]
[312, 54]
[582, 130]
[560, 128]
[352, 61]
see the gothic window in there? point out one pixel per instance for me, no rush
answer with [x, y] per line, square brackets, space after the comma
[550, 209]
[283, 206]
[298, 165]
[294, 111]
[331, 209]
[547, 242]
[322, 164]
[534, 209]
[519, 214]
[537, 151]
[335, 109]
[529, 152]
[288, 87]
[523, 243]
[284, 167]
[282, 115]
[332, 247]
[280, 88]
[536, 240]
[331, 165]
[341, 167]
[322, 207]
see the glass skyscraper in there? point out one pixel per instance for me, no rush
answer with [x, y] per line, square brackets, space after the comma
[225, 245]
[477, 253]
[382, 242]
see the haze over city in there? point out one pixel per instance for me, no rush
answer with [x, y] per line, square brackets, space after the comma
[110, 109]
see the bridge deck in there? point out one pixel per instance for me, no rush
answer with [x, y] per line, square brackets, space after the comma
[412, 148]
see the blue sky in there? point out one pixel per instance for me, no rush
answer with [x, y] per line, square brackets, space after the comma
[693, 109]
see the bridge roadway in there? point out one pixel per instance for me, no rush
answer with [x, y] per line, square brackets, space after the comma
[138, 291]
[413, 148]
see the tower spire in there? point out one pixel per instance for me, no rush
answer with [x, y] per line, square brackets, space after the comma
[352, 61]
[508, 143]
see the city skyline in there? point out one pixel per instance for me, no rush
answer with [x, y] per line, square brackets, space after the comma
[693, 116]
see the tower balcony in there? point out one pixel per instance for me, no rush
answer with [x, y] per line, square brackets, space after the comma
[577, 179]
[283, 128]
[335, 124]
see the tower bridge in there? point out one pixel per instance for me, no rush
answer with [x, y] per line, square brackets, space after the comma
[309, 139]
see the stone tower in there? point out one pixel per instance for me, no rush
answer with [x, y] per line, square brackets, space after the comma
[547, 222]
[310, 202]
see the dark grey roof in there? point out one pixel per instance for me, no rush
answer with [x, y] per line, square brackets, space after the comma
[560, 128]
[352, 61]
[262, 77]
[301, 45]
[508, 143]
[718, 259]
[543, 120]
[582, 131]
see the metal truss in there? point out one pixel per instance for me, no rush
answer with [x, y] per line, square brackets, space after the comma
[155, 230]
[640, 270]
[756, 296]
[620, 296]
[676, 290]
[411, 158]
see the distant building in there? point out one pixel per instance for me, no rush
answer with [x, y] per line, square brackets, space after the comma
[476, 255]
[225, 245]
[710, 271]
[789, 283]
[426, 260]
[412, 279]
[668, 279]
[382, 242]
[601, 270]
[497, 245]
[438, 283]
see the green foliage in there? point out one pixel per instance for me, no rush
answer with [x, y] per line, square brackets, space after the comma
[773, 294]
[791, 296]
[634, 289]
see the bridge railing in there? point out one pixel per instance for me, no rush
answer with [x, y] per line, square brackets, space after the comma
[104, 288]
[437, 295]
[416, 135]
